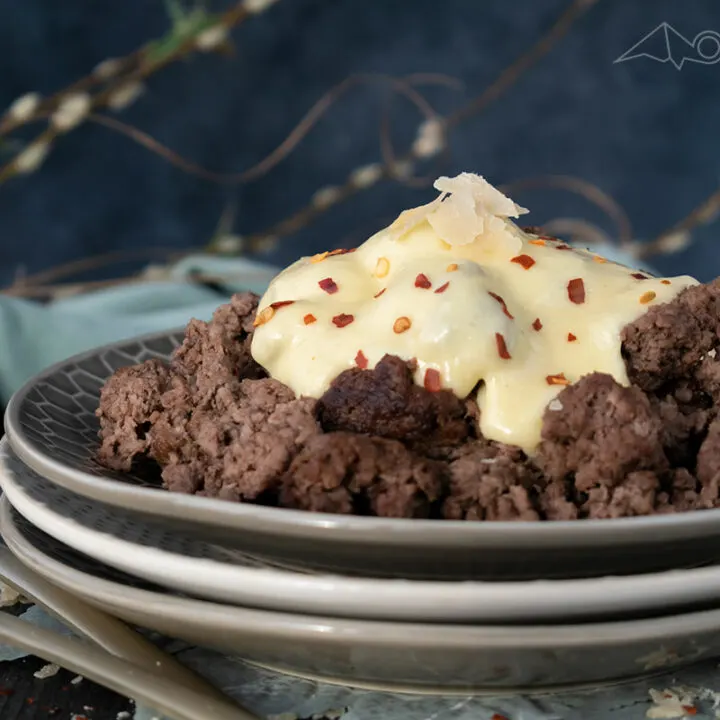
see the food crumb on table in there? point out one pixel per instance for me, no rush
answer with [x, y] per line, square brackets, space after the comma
[47, 671]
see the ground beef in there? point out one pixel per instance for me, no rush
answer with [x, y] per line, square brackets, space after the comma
[211, 426]
[218, 351]
[683, 425]
[557, 501]
[601, 433]
[386, 402]
[635, 494]
[350, 473]
[238, 445]
[129, 404]
[491, 481]
[667, 343]
[376, 443]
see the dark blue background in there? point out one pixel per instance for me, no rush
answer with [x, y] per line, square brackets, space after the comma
[645, 132]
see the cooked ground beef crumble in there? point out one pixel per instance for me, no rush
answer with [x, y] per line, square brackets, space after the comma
[378, 444]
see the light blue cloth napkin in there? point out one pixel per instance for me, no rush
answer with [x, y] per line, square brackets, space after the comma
[34, 336]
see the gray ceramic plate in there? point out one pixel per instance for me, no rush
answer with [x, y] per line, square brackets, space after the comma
[122, 540]
[51, 425]
[397, 656]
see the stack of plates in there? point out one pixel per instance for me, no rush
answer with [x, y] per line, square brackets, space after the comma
[407, 604]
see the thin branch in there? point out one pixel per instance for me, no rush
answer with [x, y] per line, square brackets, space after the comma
[586, 189]
[94, 263]
[286, 147]
[510, 75]
[678, 237]
[505, 80]
[577, 231]
[137, 67]
[8, 123]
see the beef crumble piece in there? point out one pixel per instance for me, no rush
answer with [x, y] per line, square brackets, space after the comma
[635, 494]
[130, 402]
[684, 422]
[492, 481]
[237, 445]
[348, 473]
[602, 432]
[604, 445]
[216, 352]
[386, 402]
[708, 467]
[668, 342]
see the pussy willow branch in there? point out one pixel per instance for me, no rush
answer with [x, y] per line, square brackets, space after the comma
[405, 166]
[402, 86]
[365, 177]
[591, 192]
[679, 236]
[126, 72]
[36, 284]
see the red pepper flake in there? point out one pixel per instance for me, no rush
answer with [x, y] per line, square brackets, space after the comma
[502, 347]
[377, 295]
[422, 281]
[571, 337]
[341, 251]
[599, 259]
[30, 701]
[342, 320]
[666, 282]
[432, 381]
[442, 288]
[558, 379]
[360, 360]
[639, 276]
[563, 247]
[328, 285]
[576, 291]
[6, 692]
[502, 302]
[309, 319]
[539, 243]
[689, 709]
[498, 716]
[537, 325]
[525, 261]
[281, 303]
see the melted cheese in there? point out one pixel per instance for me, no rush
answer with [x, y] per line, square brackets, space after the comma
[481, 306]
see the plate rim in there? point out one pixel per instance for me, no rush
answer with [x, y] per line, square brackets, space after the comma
[290, 523]
[431, 601]
[335, 631]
